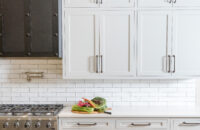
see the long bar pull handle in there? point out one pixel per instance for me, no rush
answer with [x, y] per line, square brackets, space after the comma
[174, 63]
[97, 64]
[86, 124]
[189, 124]
[101, 63]
[169, 64]
[146, 124]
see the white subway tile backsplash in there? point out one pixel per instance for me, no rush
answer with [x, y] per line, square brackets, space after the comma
[14, 88]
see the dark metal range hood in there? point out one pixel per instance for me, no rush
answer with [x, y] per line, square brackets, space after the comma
[30, 28]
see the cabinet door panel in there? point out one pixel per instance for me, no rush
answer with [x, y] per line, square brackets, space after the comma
[186, 124]
[117, 3]
[187, 3]
[154, 3]
[186, 43]
[81, 3]
[117, 43]
[13, 36]
[44, 27]
[80, 34]
[153, 43]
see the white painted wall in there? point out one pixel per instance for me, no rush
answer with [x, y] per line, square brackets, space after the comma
[52, 89]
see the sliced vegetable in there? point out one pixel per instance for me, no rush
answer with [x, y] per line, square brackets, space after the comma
[82, 109]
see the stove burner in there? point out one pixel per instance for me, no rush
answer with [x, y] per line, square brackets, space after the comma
[29, 110]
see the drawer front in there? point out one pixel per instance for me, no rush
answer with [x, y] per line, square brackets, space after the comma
[154, 3]
[80, 3]
[186, 124]
[89, 123]
[137, 124]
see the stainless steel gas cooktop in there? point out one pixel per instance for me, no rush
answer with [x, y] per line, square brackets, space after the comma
[30, 110]
[27, 116]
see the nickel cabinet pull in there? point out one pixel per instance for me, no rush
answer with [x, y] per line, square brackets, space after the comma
[189, 124]
[145, 124]
[101, 63]
[86, 124]
[174, 63]
[97, 64]
[169, 64]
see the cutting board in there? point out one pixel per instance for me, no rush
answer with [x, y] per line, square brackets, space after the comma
[95, 112]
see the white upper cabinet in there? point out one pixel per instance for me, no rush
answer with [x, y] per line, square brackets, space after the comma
[117, 43]
[186, 3]
[154, 3]
[98, 44]
[117, 3]
[81, 3]
[186, 124]
[99, 3]
[186, 43]
[154, 43]
[80, 43]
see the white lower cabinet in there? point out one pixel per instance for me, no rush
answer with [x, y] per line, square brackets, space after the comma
[142, 124]
[85, 124]
[129, 123]
[186, 124]
[113, 124]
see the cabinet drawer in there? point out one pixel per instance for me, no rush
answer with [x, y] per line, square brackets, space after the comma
[142, 124]
[186, 124]
[153, 3]
[89, 123]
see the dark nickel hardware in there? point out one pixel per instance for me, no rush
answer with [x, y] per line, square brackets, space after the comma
[189, 124]
[86, 124]
[101, 63]
[174, 63]
[169, 64]
[145, 124]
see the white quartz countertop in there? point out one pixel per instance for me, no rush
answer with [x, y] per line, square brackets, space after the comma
[141, 111]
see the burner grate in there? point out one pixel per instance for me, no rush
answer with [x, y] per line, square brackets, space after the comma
[35, 110]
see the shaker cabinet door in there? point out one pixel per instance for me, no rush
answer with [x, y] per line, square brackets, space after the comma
[12, 36]
[80, 43]
[117, 48]
[186, 47]
[154, 30]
